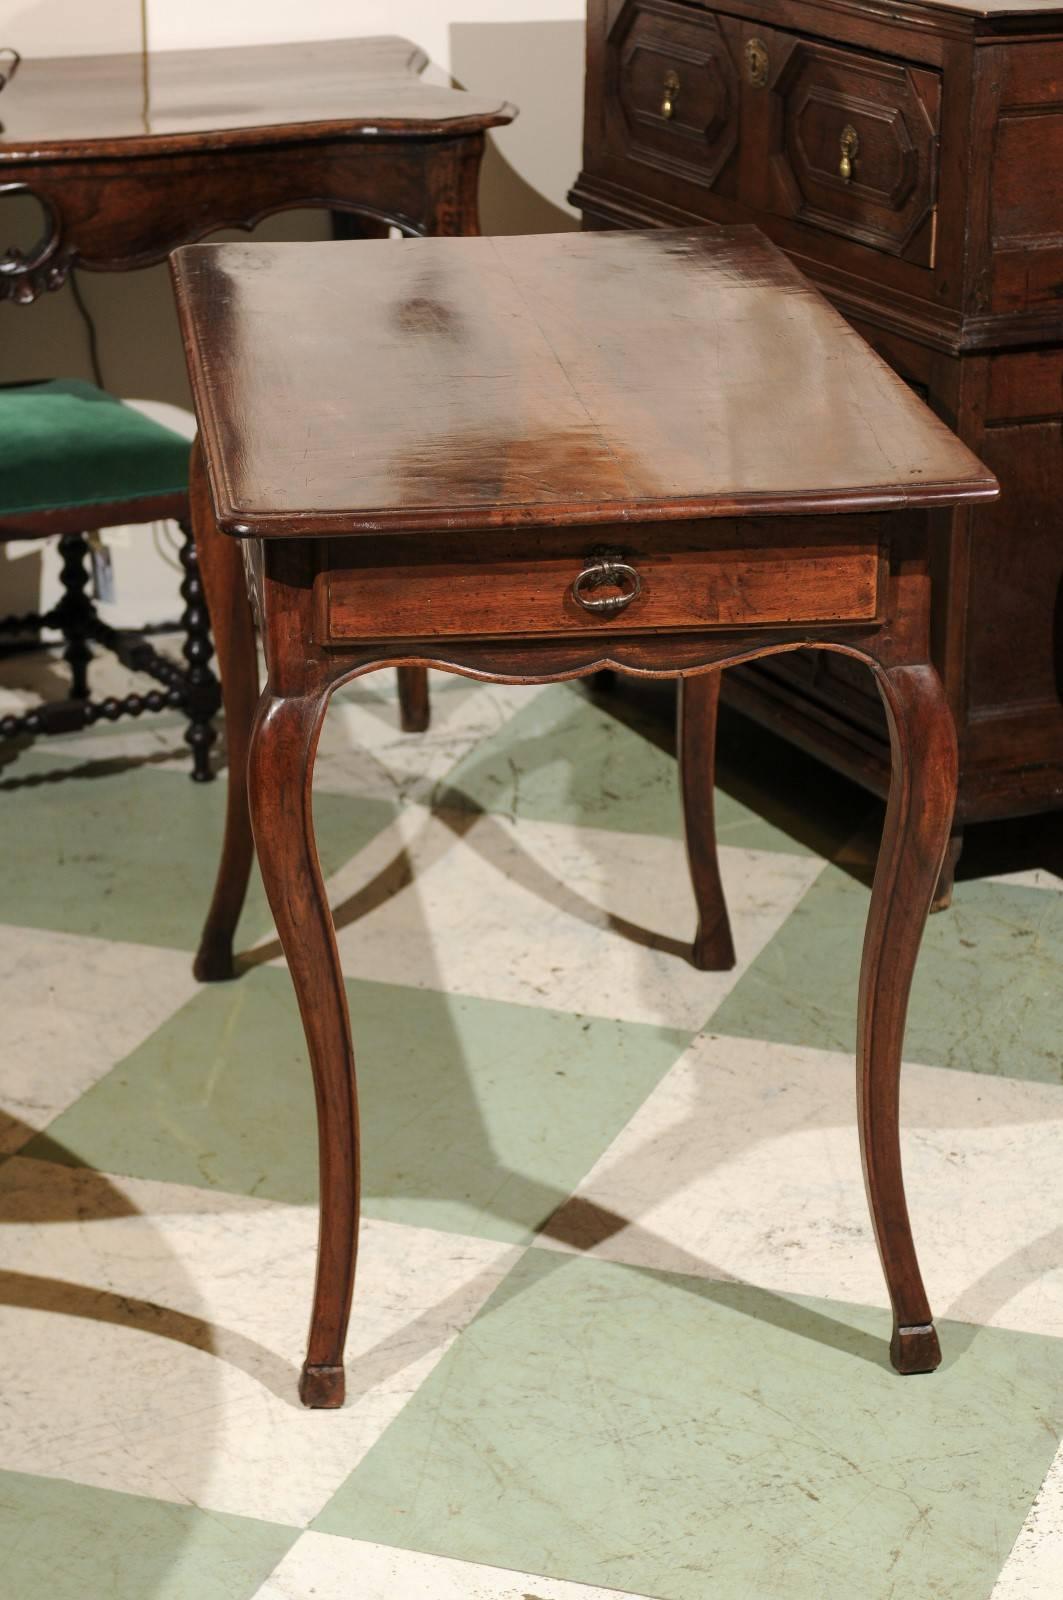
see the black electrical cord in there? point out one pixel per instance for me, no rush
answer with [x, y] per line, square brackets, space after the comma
[90, 330]
[9, 50]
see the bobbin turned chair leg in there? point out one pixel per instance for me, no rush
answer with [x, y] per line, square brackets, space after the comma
[219, 563]
[202, 690]
[75, 614]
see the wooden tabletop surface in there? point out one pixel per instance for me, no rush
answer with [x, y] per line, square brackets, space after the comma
[545, 380]
[173, 99]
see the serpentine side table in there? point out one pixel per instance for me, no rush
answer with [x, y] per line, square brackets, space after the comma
[528, 459]
[130, 155]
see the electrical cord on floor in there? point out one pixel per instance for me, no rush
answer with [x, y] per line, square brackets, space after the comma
[167, 544]
[90, 330]
[12, 62]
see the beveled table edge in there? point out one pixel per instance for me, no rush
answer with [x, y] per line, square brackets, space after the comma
[464, 122]
[473, 518]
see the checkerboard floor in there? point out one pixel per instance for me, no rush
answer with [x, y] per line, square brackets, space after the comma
[619, 1327]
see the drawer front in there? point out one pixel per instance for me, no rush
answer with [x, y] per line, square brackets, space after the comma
[856, 150]
[672, 92]
[555, 588]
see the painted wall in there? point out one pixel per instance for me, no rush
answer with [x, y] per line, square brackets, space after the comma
[527, 51]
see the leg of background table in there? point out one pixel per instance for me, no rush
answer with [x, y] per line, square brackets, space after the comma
[413, 699]
[698, 703]
[222, 573]
[280, 776]
[918, 817]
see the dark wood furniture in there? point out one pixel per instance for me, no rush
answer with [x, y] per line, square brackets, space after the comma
[535, 458]
[128, 156]
[908, 155]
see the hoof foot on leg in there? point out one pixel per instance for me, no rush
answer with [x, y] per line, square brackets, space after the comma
[214, 961]
[915, 1349]
[713, 949]
[322, 1387]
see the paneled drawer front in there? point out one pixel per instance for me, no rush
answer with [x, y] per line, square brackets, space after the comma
[439, 588]
[857, 146]
[673, 90]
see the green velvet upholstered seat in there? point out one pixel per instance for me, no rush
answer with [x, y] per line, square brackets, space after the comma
[66, 444]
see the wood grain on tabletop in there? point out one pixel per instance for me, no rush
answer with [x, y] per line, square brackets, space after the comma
[575, 378]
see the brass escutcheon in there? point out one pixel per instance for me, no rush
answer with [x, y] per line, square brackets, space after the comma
[757, 63]
[850, 144]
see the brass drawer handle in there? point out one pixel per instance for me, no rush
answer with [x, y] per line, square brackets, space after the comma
[850, 144]
[602, 572]
[671, 94]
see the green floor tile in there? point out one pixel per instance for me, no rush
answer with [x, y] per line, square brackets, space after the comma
[70, 1542]
[984, 993]
[693, 1440]
[565, 758]
[477, 1116]
[118, 850]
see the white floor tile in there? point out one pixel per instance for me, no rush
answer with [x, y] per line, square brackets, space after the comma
[363, 751]
[63, 1029]
[744, 1164]
[1032, 878]
[321, 1567]
[1034, 1569]
[578, 919]
[151, 1338]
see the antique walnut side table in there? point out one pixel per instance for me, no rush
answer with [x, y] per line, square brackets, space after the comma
[128, 156]
[528, 459]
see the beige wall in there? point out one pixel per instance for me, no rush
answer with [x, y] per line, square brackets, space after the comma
[526, 51]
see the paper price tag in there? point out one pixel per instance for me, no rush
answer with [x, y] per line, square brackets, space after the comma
[102, 570]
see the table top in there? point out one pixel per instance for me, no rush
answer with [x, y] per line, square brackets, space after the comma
[1047, 11]
[546, 380]
[171, 100]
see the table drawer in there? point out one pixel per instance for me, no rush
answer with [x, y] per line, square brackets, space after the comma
[436, 588]
[856, 147]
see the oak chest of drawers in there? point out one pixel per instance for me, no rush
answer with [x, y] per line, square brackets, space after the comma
[909, 157]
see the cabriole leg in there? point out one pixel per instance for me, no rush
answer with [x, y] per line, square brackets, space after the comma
[918, 817]
[698, 705]
[280, 775]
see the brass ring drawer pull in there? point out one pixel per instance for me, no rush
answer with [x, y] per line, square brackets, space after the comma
[671, 94]
[597, 576]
